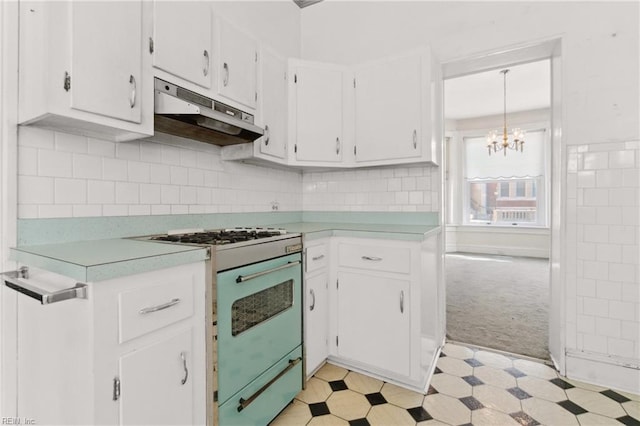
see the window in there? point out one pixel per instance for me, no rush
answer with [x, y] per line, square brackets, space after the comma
[505, 190]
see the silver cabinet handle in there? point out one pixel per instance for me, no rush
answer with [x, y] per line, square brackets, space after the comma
[243, 278]
[225, 80]
[157, 308]
[205, 69]
[184, 365]
[266, 134]
[132, 96]
[372, 258]
[415, 139]
[244, 403]
[313, 300]
[337, 146]
[318, 257]
[14, 281]
[402, 302]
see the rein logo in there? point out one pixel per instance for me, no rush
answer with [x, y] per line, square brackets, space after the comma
[17, 421]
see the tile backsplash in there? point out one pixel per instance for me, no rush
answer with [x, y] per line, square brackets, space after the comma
[603, 291]
[63, 175]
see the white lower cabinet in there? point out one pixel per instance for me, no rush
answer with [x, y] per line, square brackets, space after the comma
[133, 352]
[316, 305]
[374, 324]
[383, 314]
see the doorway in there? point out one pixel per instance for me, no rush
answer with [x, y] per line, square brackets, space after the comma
[499, 224]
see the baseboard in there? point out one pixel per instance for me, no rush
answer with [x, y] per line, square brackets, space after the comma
[500, 250]
[611, 372]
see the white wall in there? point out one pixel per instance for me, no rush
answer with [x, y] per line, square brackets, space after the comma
[600, 96]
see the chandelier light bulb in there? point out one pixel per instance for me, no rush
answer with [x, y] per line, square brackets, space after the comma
[517, 134]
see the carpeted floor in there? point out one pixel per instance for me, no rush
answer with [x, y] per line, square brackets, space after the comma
[499, 302]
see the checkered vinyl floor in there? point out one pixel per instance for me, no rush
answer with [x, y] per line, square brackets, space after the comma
[470, 386]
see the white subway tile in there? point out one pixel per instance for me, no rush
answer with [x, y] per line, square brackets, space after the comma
[630, 216]
[586, 251]
[586, 287]
[623, 234]
[179, 209]
[631, 254]
[188, 158]
[621, 159]
[608, 178]
[35, 137]
[127, 193]
[197, 209]
[596, 197]
[179, 175]
[55, 210]
[631, 178]
[101, 148]
[196, 177]
[87, 210]
[70, 191]
[595, 307]
[622, 348]
[630, 330]
[608, 216]
[160, 173]
[54, 163]
[87, 166]
[401, 172]
[188, 195]
[596, 233]
[28, 211]
[70, 143]
[114, 169]
[622, 272]
[609, 253]
[128, 150]
[27, 161]
[170, 194]
[139, 210]
[585, 215]
[595, 343]
[609, 290]
[170, 154]
[587, 179]
[631, 292]
[115, 210]
[409, 184]
[160, 209]
[402, 197]
[101, 192]
[608, 327]
[150, 193]
[595, 160]
[203, 196]
[205, 160]
[150, 152]
[139, 171]
[632, 145]
[416, 197]
[35, 190]
[623, 197]
[622, 310]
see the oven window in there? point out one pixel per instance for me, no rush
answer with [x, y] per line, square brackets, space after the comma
[259, 307]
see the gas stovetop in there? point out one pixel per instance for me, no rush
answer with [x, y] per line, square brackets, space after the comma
[220, 236]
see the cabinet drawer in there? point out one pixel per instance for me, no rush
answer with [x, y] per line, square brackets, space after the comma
[375, 258]
[147, 309]
[316, 258]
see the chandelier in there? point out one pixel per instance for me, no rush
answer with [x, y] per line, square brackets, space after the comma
[516, 134]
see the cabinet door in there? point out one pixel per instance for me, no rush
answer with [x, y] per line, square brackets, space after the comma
[106, 63]
[273, 108]
[316, 314]
[373, 321]
[156, 383]
[318, 125]
[388, 110]
[182, 40]
[238, 64]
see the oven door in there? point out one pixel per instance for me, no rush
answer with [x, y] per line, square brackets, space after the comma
[259, 320]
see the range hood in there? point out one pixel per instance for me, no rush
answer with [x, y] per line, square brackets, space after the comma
[181, 112]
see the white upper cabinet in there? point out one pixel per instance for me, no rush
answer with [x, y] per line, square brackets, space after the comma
[182, 40]
[237, 64]
[273, 104]
[82, 69]
[317, 112]
[393, 111]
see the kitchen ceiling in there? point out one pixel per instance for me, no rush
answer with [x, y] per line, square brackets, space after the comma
[481, 94]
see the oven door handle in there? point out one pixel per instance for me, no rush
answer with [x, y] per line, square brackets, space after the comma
[244, 403]
[243, 278]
